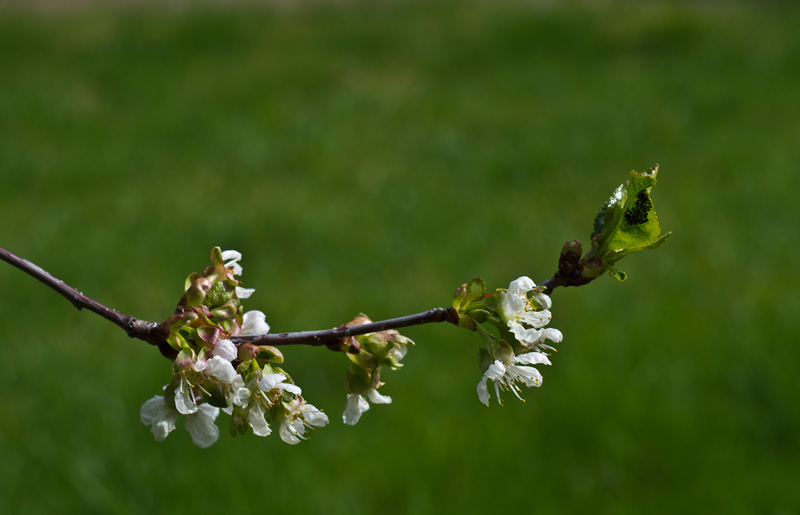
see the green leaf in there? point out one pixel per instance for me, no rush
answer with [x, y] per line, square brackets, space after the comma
[460, 296]
[475, 289]
[627, 222]
[619, 275]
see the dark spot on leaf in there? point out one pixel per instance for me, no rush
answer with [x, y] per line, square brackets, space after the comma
[637, 213]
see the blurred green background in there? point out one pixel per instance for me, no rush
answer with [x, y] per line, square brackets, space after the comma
[372, 157]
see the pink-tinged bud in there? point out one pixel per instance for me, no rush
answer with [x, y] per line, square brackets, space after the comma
[208, 334]
[197, 291]
[226, 312]
[248, 352]
[184, 360]
[361, 319]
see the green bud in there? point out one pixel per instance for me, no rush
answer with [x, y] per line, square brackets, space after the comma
[219, 294]
[216, 257]
[270, 353]
[460, 296]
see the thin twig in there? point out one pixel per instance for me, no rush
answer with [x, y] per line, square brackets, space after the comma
[156, 333]
[150, 332]
[326, 336]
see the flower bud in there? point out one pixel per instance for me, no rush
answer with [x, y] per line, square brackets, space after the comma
[208, 334]
[248, 352]
[570, 256]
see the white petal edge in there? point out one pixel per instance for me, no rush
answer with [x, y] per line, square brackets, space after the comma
[356, 405]
[201, 426]
[376, 398]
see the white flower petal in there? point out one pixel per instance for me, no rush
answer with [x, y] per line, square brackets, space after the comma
[553, 335]
[225, 349]
[162, 420]
[291, 431]
[241, 397]
[244, 293]
[397, 352]
[544, 300]
[313, 416]
[270, 381]
[201, 426]
[256, 419]
[536, 319]
[184, 399]
[496, 371]
[356, 405]
[228, 255]
[528, 375]
[376, 398]
[289, 387]
[530, 358]
[254, 323]
[221, 369]
[512, 305]
[483, 391]
[521, 286]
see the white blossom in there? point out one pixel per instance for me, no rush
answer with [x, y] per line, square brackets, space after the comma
[254, 323]
[357, 404]
[162, 419]
[300, 414]
[519, 309]
[506, 375]
[258, 400]
[218, 369]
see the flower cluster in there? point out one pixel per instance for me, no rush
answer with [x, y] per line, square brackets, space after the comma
[525, 310]
[363, 377]
[205, 379]
[520, 314]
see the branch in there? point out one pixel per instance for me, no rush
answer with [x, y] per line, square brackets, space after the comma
[332, 337]
[150, 332]
[156, 333]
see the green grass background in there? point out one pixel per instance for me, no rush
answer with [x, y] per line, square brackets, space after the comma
[372, 157]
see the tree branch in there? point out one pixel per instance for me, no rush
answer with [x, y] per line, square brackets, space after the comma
[331, 337]
[156, 333]
[151, 332]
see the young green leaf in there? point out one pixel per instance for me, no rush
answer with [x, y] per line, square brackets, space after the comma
[627, 222]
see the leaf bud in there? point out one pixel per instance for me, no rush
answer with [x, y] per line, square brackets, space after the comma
[570, 256]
